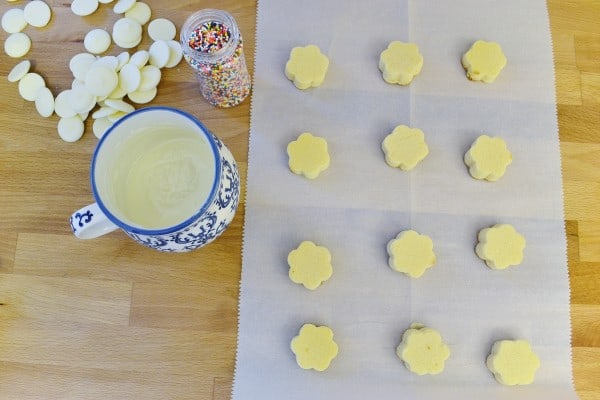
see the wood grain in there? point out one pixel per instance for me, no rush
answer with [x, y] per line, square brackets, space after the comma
[576, 38]
[108, 319]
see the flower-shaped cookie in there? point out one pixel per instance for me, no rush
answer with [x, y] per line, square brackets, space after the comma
[400, 62]
[411, 253]
[484, 61]
[308, 155]
[513, 362]
[500, 246]
[423, 350]
[310, 265]
[314, 347]
[405, 147]
[488, 158]
[306, 67]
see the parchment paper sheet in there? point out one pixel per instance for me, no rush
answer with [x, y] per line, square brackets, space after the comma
[357, 205]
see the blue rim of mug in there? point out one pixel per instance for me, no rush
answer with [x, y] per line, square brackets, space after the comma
[171, 229]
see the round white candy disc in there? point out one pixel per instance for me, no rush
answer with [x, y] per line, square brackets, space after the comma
[17, 45]
[139, 58]
[97, 41]
[141, 12]
[123, 6]
[144, 97]
[19, 71]
[127, 33]
[76, 83]
[37, 13]
[62, 105]
[161, 29]
[84, 7]
[150, 78]
[70, 129]
[159, 53]
[30, 84]
[119, 105]
[175, 53]
[100, 126]
[13, 20]
[130, 78]
[81, 99]
[118, 93]
[44, 102]
[101, 80]
[103, 112]
[116, 116]
[80, 65]
[105, 1]
[123, 59]
[109, 61]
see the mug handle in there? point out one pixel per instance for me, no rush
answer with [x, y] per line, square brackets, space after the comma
[90, 222]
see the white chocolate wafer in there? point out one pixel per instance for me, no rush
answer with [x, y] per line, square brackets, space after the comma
[70, 129]
[44, 102]
[175, 53]
[37, 13]
[80, 64]
[101, 80]
[159, 53]
[13, 20]
[140, 11]
[161, 29]
[84, 7]
[30, 84]
[123, 6]
[17, 45]
[144, 97]
[130, 78]
[97, 41]
[62, 105]
[19, 71]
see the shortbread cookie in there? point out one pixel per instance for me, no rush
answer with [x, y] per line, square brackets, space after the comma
[405, 147]
[314, 347]
[310, 265]
[306, 67]
[500, 246]
[411, 253]
[484, 61]
[422, 350]
[488, 158]
[513, 362]
[400, 62]
[308, 155]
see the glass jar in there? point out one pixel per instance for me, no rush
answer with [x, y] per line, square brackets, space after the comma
[213, 46]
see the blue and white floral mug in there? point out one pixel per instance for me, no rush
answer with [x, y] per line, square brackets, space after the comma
[164, 179]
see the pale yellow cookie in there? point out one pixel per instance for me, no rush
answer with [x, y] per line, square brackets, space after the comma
[411, 253]
[484, 61]
[488, 158]
[405, 147]
[308, 155]
[314, 347]
[310, 265]
[422, 350]
[306, 67]
[500, 246]
[400, 62]
[513, 362]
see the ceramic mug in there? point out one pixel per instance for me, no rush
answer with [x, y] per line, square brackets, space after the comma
[164, 179]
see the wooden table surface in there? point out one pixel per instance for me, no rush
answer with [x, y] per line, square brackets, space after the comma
[109, 319]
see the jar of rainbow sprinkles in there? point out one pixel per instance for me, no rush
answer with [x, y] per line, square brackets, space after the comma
[212, 45]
